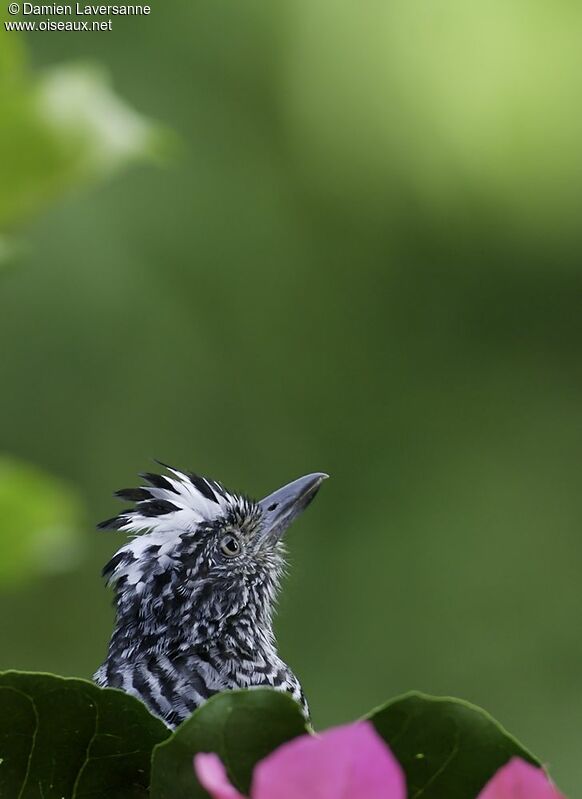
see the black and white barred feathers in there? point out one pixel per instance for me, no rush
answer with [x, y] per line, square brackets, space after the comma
[195, 590]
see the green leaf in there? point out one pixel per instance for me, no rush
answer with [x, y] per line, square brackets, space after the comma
[242, 727]
[80, 108]
[68, 738]
[449, 748]
[63, 128]
[41, 518]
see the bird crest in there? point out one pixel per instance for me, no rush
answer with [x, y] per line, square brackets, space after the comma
[177, 502]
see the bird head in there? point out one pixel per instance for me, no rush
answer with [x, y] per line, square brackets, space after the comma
[201, 549]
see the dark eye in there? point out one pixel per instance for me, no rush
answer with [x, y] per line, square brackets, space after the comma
[229, 546]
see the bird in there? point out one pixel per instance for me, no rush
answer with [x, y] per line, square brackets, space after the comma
[195, 590]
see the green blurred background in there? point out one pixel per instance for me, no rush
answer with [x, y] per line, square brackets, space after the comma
[363, 255]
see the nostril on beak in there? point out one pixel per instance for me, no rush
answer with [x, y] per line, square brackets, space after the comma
[282, 506]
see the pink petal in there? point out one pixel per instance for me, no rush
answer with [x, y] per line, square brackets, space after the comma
[519, 780]
[350, 762]
[212, 776]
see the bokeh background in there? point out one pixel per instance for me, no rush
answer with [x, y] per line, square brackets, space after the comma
[356, 249]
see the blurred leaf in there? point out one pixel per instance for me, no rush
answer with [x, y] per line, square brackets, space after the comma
[448, 748]
[61, 128]
[242, 727]
[40, 522]
[68, 738]
[99, 131]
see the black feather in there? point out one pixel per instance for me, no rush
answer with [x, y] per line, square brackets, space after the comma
[201, 485]
[113, 524]
[133, 494]
[158, 481]
[110, 567]
[156, 507]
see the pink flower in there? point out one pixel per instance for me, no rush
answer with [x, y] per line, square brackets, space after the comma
[352, 762]
[519, 780]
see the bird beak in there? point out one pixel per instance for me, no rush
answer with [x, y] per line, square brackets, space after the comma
[282, 506]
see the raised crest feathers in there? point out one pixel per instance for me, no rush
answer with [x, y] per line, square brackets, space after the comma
[176, 502]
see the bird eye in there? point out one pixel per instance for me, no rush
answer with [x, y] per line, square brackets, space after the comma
[229, 546]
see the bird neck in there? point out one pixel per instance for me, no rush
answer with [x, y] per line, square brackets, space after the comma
[148, 621]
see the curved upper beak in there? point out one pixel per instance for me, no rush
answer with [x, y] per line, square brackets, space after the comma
[282, 506]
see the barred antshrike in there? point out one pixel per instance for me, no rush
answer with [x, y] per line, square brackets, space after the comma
[194, 593]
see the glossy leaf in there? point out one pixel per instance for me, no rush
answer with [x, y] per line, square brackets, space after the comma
[242, 727]
[68, 738]
[448, 748]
